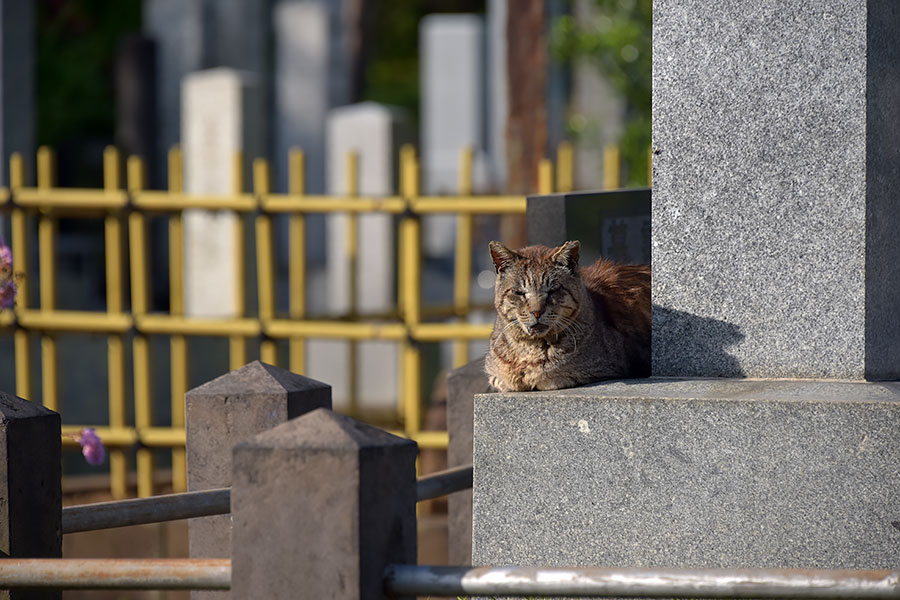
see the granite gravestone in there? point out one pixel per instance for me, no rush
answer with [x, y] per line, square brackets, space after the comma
[774, 257]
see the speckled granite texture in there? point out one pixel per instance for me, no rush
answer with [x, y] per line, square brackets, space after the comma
[690, 473]
[776, 225]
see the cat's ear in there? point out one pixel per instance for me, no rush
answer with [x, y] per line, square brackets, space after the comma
[502, 256]
[567, 255]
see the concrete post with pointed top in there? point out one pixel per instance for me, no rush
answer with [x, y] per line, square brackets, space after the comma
[231, 409]
[321, 505]
[30, 493]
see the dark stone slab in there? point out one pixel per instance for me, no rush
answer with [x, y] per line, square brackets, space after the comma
[612, 224]
[321, 505]
[30, 492]
[690, 473]
[774, 187]
[462, 385]
[231, 409]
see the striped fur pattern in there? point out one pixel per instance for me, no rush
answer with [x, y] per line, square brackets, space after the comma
[560, 325]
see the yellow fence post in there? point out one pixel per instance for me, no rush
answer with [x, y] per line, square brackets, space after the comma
[118, 464]
[296, 261]
[545, 176]
[237, 344]
[140, 294]
[19, 242]
[463, 259]
[265, 259]
[611, 167]
[565, 167]
[47, 228]
[411, 263]
[178, 351]
[352, 250]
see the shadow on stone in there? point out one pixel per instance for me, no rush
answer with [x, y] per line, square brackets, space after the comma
[687, 345]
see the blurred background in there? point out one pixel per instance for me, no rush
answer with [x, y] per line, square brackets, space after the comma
[509, 80]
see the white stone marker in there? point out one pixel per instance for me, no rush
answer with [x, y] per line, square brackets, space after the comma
[375, 132]
[452, 113]
[220, 115]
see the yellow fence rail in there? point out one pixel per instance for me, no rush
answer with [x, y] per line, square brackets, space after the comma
[125, 208]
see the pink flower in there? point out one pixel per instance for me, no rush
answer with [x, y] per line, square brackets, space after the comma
[7, 281]
[91, 446]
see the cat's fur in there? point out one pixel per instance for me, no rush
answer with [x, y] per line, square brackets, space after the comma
[561, 326]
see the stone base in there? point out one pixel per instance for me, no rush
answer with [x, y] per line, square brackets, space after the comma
[690, 473]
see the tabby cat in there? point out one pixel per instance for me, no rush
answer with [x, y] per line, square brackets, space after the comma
[560, 325]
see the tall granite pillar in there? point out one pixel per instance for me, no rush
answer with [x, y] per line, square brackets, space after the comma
[30, 493]
[775, 244]
[775, 258]
[228, 410]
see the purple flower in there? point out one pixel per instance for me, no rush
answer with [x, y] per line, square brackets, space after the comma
[7, 281]
[91, 446]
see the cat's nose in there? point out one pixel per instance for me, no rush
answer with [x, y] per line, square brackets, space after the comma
[537, 313]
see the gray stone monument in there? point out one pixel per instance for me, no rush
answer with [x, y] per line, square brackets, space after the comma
[30, 492]
[221, 115]
[321, 505]
[775, 258]
[231, 409]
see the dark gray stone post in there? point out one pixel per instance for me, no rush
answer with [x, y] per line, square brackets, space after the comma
[136, 114]
[231, 409]
[462, 385]
[30, 493]
[321, 505]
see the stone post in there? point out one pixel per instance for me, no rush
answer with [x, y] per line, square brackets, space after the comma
[462, 385]
[228, 410]
[321, 505]
[221, 115]
[374, 132]
[776, 257]
[30, 493]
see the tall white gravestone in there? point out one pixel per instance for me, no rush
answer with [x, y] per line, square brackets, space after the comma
[221, 115]
[375, 133]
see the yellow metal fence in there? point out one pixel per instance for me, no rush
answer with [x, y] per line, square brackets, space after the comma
[128, 207]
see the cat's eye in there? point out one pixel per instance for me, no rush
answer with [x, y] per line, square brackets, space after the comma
[520, 292]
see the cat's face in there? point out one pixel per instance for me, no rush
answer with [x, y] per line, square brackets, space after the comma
[538, 291]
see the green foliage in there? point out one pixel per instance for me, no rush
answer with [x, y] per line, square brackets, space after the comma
[618, 42]
[76, 45]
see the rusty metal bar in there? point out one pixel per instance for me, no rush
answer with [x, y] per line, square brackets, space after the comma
[189, 505]
[443, 483]
[596, 582]
[122, 513]
[116, 574]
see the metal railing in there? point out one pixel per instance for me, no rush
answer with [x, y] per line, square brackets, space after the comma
[424, 580]
[189, 505]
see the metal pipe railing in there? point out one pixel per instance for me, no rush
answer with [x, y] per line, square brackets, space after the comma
[595, 582]
[116, 574]
[138, 511]
[206, 503]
